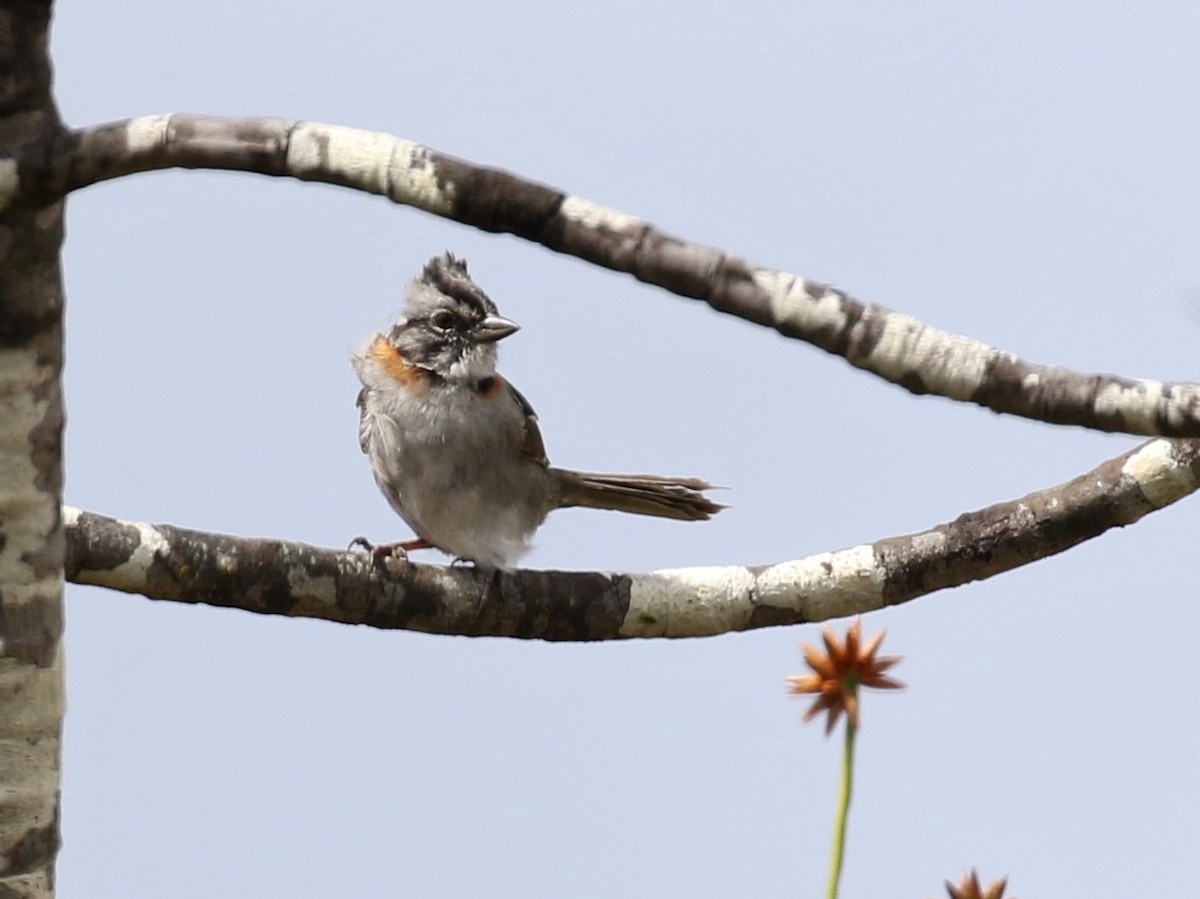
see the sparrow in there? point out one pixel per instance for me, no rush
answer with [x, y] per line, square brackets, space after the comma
[456, 449]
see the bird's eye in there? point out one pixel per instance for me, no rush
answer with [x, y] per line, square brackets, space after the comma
[443, 320]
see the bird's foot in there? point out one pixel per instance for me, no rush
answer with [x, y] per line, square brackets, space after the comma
[383, 551]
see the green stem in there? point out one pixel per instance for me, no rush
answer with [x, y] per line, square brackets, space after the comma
[843, 809]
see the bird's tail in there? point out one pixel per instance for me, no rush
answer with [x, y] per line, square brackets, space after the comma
[642, 494]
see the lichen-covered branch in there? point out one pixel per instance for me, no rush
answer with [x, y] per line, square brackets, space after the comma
[280, 578]
[896, 347]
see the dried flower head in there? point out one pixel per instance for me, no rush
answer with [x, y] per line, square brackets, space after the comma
[968, 888]
[839, 670]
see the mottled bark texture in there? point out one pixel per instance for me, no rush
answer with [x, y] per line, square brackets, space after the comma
[31, 419]
[277, 578]
[901, 349]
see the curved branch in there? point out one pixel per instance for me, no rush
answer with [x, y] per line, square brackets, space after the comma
[279, 578]
[896, 347]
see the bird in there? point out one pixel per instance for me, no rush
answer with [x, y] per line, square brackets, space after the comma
[455, 448]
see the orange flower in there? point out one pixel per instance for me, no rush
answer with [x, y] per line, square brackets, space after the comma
[838, 672]
[968, 888]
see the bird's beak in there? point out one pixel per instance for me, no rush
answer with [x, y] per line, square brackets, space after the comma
[493, 328]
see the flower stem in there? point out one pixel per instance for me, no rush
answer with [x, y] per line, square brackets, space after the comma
[843, 809]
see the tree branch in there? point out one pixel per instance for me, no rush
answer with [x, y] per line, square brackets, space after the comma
[896, 347]
[278, 578]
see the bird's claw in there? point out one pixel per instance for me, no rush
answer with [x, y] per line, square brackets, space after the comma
[380, 552]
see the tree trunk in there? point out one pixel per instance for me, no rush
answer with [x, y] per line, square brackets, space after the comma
[31, 419]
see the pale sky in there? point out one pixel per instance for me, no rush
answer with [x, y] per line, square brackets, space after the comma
[1022, 173]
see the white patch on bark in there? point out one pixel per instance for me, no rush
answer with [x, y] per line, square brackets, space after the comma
[791, 304]
[827, 585]
[131, 574]
[951, 364]
[1162, 480]
[398, 169]
[929, 543]
[147, 132]
[688, 602]
[597, 218]
[694, 602]
[1135, 407]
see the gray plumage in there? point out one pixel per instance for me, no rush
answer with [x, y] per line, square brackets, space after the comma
[456, 449]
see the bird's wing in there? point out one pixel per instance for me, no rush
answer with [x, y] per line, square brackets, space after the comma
[534, 448]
